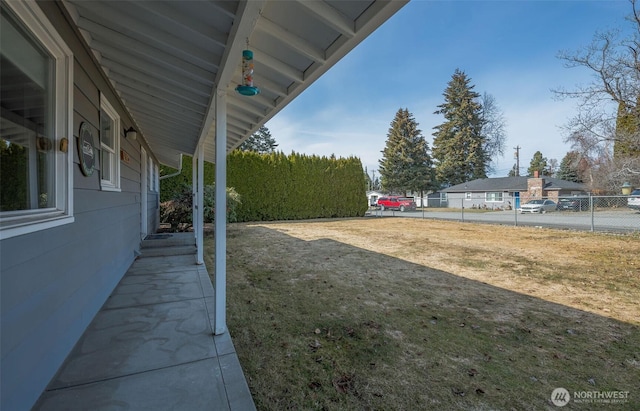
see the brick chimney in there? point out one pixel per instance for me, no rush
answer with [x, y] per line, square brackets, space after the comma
[535, 186]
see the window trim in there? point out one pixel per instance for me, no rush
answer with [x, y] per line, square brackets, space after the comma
[113, 183]
[29, 221]
[156, 178]
[467, 195]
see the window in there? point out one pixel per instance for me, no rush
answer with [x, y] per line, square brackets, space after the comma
[467, 196]
[36, 77]
[443, 196]
[493, 197]
[109, 146]
[152, 176]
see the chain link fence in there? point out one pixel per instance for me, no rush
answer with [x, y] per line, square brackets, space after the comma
[593, 213]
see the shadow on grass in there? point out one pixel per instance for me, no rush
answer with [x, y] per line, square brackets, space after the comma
[326, 325]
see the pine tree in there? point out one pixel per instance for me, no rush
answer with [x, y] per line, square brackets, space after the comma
[459, 147]
[260, 142]
[405, 164]
[513, 172]
[538, 163]
[569, 167]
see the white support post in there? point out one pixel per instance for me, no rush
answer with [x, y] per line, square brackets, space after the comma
[194, 194]
[200, 211]
[220, 286]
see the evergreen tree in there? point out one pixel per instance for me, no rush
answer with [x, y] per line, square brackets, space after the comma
[513, 172]
[569, 167]
[459, 147]
[260, 142]
[538, 163]
[405, 164]
[627, 142]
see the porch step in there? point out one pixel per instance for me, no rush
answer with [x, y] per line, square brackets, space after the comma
[166, 244]
[161, 240]
[167, 251]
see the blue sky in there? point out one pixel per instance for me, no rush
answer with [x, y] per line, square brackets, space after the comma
[508, 48]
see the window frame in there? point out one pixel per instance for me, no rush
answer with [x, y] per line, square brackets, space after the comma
[113, 182]
[153, 175]
[467, 195]
[498, 194]
[20, 222]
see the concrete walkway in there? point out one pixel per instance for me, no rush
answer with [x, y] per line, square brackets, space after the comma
[151, 346]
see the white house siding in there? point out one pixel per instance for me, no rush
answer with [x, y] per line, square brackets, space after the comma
[55, 280]
[478, 200]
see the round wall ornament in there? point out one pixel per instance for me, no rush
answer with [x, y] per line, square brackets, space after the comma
[86, 150]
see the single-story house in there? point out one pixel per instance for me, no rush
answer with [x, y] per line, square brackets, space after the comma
[509, 192]
[95, 95]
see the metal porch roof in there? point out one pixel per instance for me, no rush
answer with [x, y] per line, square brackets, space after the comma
[167, 59]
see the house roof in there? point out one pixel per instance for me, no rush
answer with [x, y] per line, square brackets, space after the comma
[167, 59]
[512, 184]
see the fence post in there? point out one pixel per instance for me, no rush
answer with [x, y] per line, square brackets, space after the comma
[462, 202]
[592, 212]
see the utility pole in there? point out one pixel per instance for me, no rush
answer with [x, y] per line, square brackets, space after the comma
[517, 156]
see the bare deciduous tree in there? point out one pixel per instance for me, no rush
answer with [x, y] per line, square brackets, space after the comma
[608, 111]
[493, 128]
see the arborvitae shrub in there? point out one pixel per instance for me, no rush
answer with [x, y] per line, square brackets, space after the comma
[277, 186]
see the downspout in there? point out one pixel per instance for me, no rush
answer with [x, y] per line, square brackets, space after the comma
[173, 174]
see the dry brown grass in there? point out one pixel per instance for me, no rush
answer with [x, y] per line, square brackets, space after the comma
[420, 314]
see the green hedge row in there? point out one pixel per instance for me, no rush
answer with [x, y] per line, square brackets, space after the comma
[291, 187]
[277, 186]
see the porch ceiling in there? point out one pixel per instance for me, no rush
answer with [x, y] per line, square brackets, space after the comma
[166, 59]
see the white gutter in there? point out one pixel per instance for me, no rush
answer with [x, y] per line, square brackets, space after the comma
[173, 174]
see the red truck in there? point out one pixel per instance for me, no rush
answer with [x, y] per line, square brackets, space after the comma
[397, 203]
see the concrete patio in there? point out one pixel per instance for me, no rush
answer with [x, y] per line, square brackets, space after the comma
[151, 346]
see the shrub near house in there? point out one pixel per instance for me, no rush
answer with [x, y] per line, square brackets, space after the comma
[179, 210]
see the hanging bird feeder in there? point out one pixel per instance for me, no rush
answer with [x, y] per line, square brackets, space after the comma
[247, 88]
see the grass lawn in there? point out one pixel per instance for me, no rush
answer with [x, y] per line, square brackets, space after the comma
[406, 314]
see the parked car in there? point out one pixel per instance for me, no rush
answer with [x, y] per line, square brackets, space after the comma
[634, 200]
[397, 203]
[538, 206]
[573, 204]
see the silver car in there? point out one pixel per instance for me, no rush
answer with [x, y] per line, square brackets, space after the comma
[538, 206]
[634, 200]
